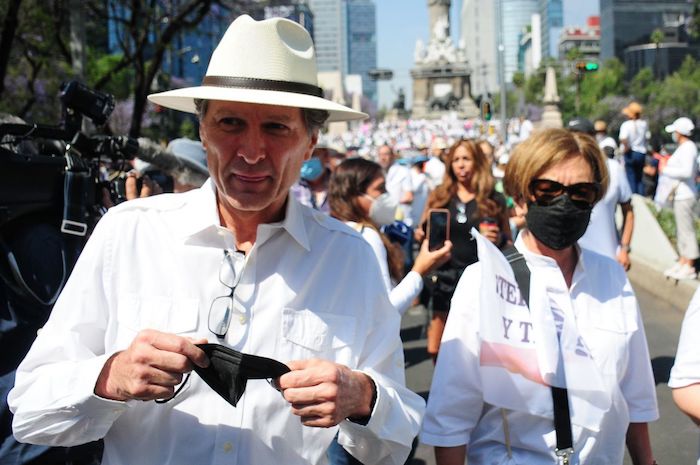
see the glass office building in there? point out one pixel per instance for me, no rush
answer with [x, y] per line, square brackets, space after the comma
[329, 34]
[515, 16]
[362, 43]
[552, 20]
[624, 23]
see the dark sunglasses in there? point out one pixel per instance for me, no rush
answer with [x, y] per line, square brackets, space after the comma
[582, 194]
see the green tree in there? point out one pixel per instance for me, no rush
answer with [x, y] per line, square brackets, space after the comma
[608, 80]
[34, 58]
[656, 37]
[679, 94]
[644, 86]
[694, 26]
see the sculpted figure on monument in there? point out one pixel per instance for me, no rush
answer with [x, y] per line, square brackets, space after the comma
[439, 12]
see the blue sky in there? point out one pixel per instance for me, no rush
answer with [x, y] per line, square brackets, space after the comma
[401, 22]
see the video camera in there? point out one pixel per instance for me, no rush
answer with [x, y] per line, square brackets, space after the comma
[49, 170]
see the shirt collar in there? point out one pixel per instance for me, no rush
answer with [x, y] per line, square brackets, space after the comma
[536, 259]
[201, 219]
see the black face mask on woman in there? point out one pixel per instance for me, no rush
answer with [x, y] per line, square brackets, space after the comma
[559, 224]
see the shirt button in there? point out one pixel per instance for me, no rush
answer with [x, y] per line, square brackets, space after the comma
[242, 319]
[228, 447]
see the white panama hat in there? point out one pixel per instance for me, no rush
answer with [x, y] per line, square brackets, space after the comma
[270, 62]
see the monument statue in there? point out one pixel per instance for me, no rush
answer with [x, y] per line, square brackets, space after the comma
[441, 48]
[400, 103]
[441, 77]
[439, 11]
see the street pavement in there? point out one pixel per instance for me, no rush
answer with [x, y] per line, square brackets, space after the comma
[674, 437]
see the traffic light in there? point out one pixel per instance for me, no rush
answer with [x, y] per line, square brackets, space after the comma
[586, 66]
[486, 110]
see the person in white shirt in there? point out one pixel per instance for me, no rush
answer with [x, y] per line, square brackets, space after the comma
[601, 235]
[685, 374]
[238, 263]
[681, 169]
[526, 128]
[421, 188]
[435, 166]
[633, 144]
[491, 396]
[606, 143]
[357, 196]
[398, 181]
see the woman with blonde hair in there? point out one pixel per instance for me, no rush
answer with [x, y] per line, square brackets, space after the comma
[544, 358]
[468, 192]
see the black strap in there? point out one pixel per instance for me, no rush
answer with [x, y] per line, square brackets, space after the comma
[262, 84]
[560, 398]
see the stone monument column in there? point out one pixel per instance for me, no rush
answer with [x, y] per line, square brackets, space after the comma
[439, 12]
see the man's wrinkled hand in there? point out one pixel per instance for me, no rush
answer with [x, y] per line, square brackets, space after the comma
[323, 393]
[150, 367]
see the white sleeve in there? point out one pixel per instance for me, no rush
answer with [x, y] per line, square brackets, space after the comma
[680, 165]
[410, 286]
[406, 183]
[624, 132]
[625, 193]
[375, 241]
[686, 369]
[394, 422]
[637, 384]
[456, 401]
[53, 400]
[408, 289]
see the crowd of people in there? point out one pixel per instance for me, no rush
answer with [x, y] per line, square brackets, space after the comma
[307, 251]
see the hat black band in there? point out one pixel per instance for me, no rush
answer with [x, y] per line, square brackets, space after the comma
[262, 84]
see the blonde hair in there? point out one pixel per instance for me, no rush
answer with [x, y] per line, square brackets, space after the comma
[547, 148]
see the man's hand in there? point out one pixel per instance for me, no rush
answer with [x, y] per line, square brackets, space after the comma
[150, 368]
[324, 393]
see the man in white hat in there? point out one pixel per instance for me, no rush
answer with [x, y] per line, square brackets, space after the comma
[238, 263]
[680, 173]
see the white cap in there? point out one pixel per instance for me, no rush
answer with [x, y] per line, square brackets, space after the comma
[682, 125]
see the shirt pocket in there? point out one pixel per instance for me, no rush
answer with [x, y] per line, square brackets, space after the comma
[327, 336]
[168, 315]
[613, 327]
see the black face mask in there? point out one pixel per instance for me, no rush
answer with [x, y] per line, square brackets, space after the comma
[559, 224]
[229, 371]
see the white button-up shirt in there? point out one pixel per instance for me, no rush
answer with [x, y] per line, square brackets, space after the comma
[310, 288]
[601, 235]
[607, 318]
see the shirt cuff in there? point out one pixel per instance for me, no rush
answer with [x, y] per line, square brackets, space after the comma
[102, 411]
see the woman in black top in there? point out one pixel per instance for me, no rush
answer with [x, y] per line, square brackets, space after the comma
[467, 191]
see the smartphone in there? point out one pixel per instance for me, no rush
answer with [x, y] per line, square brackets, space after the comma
[438, 228]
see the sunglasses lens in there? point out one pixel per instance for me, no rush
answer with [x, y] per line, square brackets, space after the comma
[583, 194]
[545, 190]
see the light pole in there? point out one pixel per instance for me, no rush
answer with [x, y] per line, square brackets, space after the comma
[502, 70]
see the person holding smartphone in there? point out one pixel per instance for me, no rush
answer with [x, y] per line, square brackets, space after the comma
[468, 193]
[357, 196]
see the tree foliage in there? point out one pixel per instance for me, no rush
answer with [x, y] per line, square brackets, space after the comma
[35, 44]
